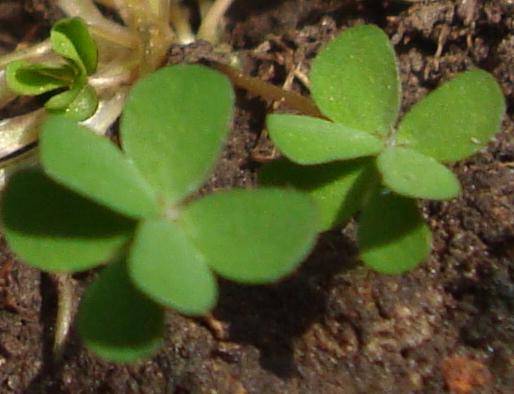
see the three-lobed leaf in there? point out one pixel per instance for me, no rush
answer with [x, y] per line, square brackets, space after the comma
[307, 140]
[252, 236]
[413, 174]
[55, 229]
[393, 238]
[94, 167]
[339, 188]
[457, 119]
[71, 39]
[117, 321]
[167, 267]
[354, 80]
[173, 127]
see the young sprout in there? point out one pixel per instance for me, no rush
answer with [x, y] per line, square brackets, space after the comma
[126, 52]
[93, 203]
[361, 160]
[75, 98]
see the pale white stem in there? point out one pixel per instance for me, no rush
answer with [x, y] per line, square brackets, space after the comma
[125, 39]
[102, 26]
[106, 80]
[106, 3]
[6, 95]
[9, 167]
[65, 312]
[109, 109]
[180, 22]
[84, 8]
[163, 11]
[209, 28]
[18, 132]
[204, 7]
[32, 52]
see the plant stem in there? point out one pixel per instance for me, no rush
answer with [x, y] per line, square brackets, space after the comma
[180, 21]
[14, 164]
[109, 110]
[107, 3]
[64, 316]
[270, 92]
[209, 28]
[100, 25]
[204, 7]
[18, 132]
[32, 52]
[6, 95]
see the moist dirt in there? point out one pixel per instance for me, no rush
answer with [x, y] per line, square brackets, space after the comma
[333, 327]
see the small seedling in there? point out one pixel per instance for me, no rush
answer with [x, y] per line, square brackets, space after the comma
[127, 51]
[73, 96]
[362, 160]
[94, 203]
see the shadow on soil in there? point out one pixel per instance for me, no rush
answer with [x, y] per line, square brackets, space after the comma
[267, 316]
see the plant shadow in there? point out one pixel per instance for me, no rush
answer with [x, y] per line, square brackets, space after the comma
[272, 317]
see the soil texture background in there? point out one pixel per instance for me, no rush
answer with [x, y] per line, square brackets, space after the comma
[333, 327]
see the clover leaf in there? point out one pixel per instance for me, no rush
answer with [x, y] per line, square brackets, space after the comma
[96, 203]
[308, 140]
[92, 166]
[71, 39]
[175, 146]
[73, 97]
[252, 236]
[54, 229]
[339, 188]
[456, 120]
[393, 237]
[355, 83]
[116, 320]
[355, 80]
[167, 266]
[403, 168]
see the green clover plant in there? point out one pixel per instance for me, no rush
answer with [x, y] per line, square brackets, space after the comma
[364, 160]
[73, 96]
[93, 203]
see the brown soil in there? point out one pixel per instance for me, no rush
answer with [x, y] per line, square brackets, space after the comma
[334, 326]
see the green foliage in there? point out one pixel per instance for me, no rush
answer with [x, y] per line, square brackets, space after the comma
[308, 140]
[339, 188]
[116, 320]
[71, 39]
[73, 97]
[393, 237]
[166, 265]
[456, 120]
[54, 229]
[175, 146]
[413, 174]
[85, 212]
[355, 83]
[33, 79]
[92, 166]
[355, 80]
[252, 236]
